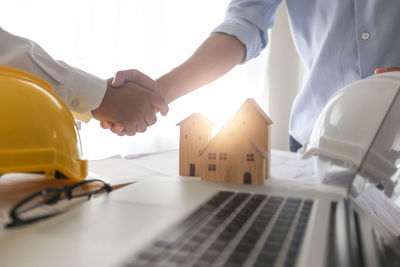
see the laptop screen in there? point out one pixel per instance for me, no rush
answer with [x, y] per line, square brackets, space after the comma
[376, 186]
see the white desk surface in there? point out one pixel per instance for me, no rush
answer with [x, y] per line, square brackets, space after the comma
[287, 170]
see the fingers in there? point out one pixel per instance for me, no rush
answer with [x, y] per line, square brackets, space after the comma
[134, 76]
[141, 126]
[150, 117]
[114, 127]
[119, 78]
[382, 70]
[138, 124]
[129, 128]
[117, 127]
[106, 125]
[130, 131]
[159, 104]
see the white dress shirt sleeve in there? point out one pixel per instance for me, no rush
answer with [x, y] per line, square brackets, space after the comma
[80, 91]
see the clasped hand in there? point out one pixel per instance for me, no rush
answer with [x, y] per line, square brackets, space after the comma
[130, 103]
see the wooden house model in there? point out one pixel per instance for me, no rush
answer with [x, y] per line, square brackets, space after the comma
[258, 125]
[195, 133]
[239, 153]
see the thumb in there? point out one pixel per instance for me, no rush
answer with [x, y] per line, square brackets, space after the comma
[119, 79]
[159, 104]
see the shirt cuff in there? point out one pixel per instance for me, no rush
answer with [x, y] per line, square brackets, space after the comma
[249, 36]
[85, 117]
[82, 92]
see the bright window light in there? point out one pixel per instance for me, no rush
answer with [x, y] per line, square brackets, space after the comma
[104, 36]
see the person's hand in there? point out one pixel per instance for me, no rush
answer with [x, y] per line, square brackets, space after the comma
[382, 70]
[120, 78]
[129, 108]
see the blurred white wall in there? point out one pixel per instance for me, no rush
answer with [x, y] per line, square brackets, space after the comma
[283, 79]
[104, 36]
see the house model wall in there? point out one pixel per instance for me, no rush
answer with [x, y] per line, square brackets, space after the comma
[232, 156]
[195, 133]
[239, 152]
[258, 125]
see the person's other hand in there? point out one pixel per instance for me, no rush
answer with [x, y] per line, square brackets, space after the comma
[129, 108]
[382, 70]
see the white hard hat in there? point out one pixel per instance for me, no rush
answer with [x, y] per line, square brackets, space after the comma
[348, 123]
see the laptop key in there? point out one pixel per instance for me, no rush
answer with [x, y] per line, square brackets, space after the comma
[292, 253]
[267, 257]
[152, 253]
[179, 257]
[276, 238]
[263, 264]
[190, 247]
[289, 263]
[217, 246]
[272, 247]
[201, 264]
[210, 255]
[276, 199]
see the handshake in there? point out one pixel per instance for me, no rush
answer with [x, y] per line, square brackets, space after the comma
[130, 103]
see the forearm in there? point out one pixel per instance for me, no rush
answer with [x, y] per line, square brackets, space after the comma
[216, 56]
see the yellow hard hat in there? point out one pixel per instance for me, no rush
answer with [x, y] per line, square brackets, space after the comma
[37, 130]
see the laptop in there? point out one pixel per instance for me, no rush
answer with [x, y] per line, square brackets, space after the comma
[170, 221]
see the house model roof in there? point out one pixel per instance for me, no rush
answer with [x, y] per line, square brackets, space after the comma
[232, 125]
[253, 103]
[196, 116]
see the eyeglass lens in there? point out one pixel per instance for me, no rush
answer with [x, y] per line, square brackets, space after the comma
[28, 209]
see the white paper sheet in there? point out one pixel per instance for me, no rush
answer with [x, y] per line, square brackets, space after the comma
[376, 203]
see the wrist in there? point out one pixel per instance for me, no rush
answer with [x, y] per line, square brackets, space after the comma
[165, 89]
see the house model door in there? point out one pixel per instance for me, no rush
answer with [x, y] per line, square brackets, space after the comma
[192, 169]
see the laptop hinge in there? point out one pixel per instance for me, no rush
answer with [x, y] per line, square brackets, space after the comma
[344, 241]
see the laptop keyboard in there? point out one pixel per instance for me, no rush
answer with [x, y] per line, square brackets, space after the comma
[233, 229]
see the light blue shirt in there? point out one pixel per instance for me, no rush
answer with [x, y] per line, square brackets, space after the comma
[339, 41]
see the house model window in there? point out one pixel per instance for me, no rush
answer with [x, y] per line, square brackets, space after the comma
[222, 156]
[212, 156]
[212, 167]
[250, 157]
